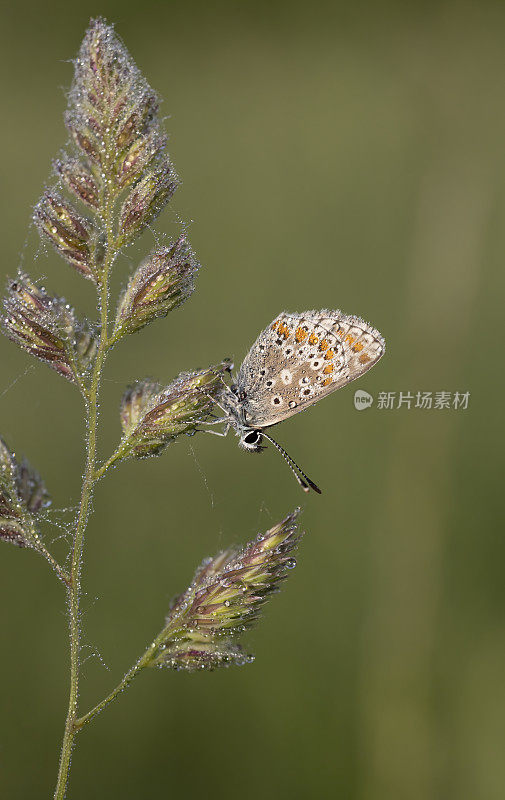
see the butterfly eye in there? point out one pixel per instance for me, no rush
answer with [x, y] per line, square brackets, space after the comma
[252, 441]
[254, 437]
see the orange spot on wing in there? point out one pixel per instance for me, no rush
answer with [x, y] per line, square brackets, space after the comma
[300, 335]
[313, 338]
[329, 355]
[350, 339]
[328, 369]
[364, 358]
[358, 346]
[326, 382]
[324, 345]
[340, 333]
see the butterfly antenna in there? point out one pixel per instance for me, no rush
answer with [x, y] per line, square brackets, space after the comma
[295, 469]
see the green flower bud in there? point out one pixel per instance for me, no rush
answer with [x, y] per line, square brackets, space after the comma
[133, 162]
[224, 599]
[134, 403]
[84, 137]
[22, 496]
[138, 114]
[47, 328]
[69, 233]
[160, 284]
[153, 416]
[112, 119]
[77, 178]
[146, 201]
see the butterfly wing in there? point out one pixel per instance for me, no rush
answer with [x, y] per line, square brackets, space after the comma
[300, 358]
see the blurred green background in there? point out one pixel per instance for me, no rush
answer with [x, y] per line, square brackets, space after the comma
[332, 156]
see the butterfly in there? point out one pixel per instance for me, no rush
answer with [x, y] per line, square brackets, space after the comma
[293, 363]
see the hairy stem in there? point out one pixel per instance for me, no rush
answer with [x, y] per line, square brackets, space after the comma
[42, 549]
[122, 685]
[142, 662]
[74, 588]
[116, 456]
[62, 575]
[74, 584]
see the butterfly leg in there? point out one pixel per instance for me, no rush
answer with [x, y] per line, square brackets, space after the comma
[216, 422]
[222, 421]
[217, 403]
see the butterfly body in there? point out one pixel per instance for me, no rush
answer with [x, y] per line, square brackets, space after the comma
[293, 363]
